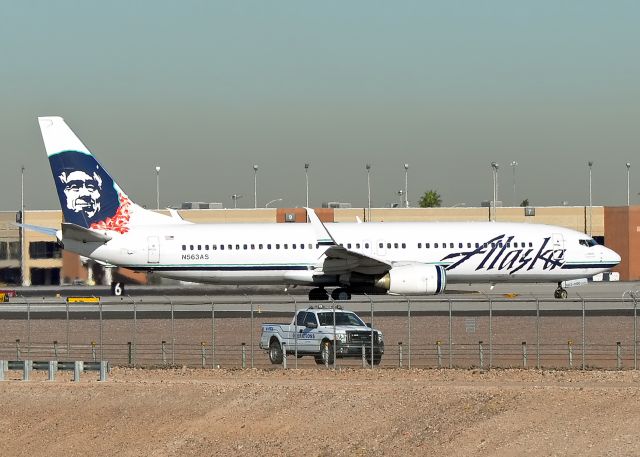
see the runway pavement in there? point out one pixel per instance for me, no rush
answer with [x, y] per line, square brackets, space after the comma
[515, 298]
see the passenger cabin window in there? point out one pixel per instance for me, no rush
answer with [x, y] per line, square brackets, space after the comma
[191, 247]
[395, 245]
[184, 247]
[435, 245]
[460, 245]
[419, 245]
[428, 245]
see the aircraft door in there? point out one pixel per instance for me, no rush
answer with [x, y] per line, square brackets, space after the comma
[153, 249]
[558, 246]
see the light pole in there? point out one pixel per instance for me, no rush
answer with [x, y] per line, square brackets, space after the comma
[514, 164]
[368, 167]
[157, 187]
[255, 186]
[590, 163]
[406, 185]
[235, 198]
[306, 178]
[494, 167]
[23, 276]
[628, 181]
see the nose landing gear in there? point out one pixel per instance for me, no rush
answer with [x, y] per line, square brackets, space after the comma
[560, 292]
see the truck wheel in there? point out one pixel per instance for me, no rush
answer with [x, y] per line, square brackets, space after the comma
[275, 352]
[326, 353]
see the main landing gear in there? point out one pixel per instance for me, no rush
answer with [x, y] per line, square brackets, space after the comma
[339, 294]
[560, 292]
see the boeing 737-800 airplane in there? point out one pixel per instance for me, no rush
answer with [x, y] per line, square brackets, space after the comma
[413, 258]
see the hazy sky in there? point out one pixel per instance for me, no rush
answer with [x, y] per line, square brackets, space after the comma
[207, 89]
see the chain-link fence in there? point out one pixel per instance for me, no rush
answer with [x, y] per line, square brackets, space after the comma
[418, 332]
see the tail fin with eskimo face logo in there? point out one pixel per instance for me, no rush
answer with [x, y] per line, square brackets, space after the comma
[89, 196]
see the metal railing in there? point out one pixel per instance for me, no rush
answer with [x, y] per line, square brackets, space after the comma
[485, 333]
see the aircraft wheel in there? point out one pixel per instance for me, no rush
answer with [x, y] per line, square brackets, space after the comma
[318, 294]
[341, 294]
[563, 294]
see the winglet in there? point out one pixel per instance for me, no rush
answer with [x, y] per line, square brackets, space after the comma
[323, 236]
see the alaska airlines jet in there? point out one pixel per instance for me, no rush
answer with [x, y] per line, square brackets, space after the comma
[412, 258]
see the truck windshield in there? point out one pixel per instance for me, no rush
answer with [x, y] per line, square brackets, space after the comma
[341, 319]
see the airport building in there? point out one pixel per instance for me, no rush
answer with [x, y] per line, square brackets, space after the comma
[45, 263]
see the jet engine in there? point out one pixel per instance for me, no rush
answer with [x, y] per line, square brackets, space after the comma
[414, 279]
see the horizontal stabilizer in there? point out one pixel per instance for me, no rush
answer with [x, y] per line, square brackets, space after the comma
[75, 232]
[36, 228]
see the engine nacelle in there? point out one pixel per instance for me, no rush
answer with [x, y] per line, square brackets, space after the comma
[415, 279]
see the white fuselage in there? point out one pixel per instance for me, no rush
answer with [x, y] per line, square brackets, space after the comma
[290, 254]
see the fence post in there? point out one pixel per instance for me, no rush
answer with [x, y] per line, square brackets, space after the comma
[135, 330]
[481, 354]
[364, 357]
[77, 369]
[2, 362]
[635, 332]
[439, 352]
[26, 370]
[570, 347]
[399, 354]
[251, 334]
[101, 331]
[284, 355]
[173, 334]
[104, 370]
[537, 334]
[244, 355]
[53, 368]
[409, 327]
[583, 335]
[17, 348]
[450, 337]
[524, 354]
[93, 350]
[164, 352]
[618, 356]
[490, 333]
[202, 353]
[325, 348]
[213, 335]
[129, 352]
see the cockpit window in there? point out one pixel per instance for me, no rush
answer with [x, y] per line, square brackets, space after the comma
[588, 242]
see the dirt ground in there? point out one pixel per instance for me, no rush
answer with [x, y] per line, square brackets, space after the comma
[184, 412]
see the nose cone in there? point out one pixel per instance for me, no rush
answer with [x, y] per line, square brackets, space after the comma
[612, 257]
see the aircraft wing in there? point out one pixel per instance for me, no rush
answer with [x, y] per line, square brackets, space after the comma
[340, 260]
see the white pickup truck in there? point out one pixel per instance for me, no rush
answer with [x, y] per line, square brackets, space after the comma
[313, 331]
